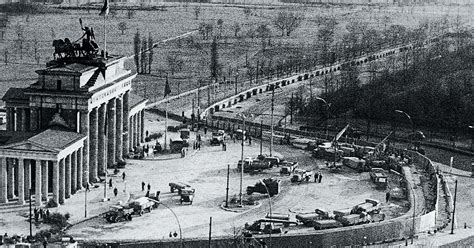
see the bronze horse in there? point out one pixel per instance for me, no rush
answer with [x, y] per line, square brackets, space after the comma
[69, 49]
[64, 47]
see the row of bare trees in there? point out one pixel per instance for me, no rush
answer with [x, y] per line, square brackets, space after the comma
[143, 50]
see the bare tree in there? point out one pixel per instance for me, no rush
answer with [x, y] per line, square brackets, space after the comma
[175, 63]
[287, 21]
[144, 61]
[136, 48]
[130, 13]
[150, 52]
[122, 26]
[197, 11]
[236, 29]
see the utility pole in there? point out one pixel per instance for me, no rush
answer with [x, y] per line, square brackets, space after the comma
[210, 229]
[271, 121]
[454, 206]
[235, 82]
[31, 225]
[227, 189]
[261, 136]
[291, 108]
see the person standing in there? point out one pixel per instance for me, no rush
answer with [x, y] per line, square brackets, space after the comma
[115, 191]
[320, 178]
[143, 186]
[110, 183]
[123, 176]
[149, 187]
[250, 140]
[387, 196]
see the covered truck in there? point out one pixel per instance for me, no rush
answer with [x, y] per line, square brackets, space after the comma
[265, 186]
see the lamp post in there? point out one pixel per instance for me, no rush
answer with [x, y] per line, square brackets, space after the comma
[242, 156]
[177, 220]
[414, 212]
[327, 113]
[411, 122]
[270, 208]
[86, 173]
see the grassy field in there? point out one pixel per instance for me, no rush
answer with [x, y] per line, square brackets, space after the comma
[194, 51]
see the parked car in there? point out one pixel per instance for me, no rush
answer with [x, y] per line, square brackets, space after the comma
[355, 219]
[240, 134]
[177, 145]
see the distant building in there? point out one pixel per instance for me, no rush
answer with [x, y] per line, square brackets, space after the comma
[63, 130]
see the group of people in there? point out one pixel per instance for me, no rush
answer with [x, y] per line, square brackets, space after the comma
[318, 177]
[40, 214]
[148, 189]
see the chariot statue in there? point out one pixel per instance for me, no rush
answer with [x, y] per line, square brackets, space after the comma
[86, 48]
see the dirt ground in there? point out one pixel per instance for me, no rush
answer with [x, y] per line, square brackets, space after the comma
[206, 171]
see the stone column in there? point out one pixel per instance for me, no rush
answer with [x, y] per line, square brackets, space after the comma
[62, 186]
[23, 119]
[73, 172]
[102, 151]
[56, 181]
[17, 119]
[20, 178]
[3, 180]
[10, 177]
[38, 183]
[119, 129]
[44, 179]
[79, 172]
[85, 149]
[93, 177]
[27, 174]
[111, 113]
[142, 126]
[33, 119]
[130, 133]
[9, 119]
[135, 130]
[126, 124]
[67, 176]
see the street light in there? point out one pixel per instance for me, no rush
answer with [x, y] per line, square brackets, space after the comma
[242, 156]
[270, 208]
[414, 206]
[327, 113]
[177, 220]
[411, 122]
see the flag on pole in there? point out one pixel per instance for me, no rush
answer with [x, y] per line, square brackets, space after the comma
[167, 87]
[105, 9]
[338, 136]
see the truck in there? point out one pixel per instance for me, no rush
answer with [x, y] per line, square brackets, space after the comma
[251, 165]
[378, 176]
[266, 186]
[365, 207]
[178, 186]
[263, 226]
[341, 213]
[240, 134]
[177, 144]
[288, 167]
[308, 218]
[355, 219]
[355, 163]
[218, 137]
[142, 204]
[300, 175]
[118, 213]
[326, 224]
